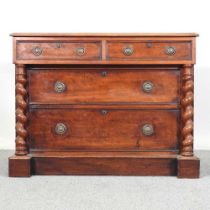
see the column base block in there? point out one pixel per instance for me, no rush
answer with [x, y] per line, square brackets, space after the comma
[188, 167]
[19, 166]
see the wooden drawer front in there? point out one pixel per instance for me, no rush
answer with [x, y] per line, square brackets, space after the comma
[103, 86]
[149, 51]
[58, 50]
[96, 129]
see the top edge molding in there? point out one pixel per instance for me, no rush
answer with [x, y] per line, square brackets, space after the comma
[104, 34]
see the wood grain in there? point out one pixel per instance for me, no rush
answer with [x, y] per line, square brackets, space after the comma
[90, 86]
[58, 50]
[104, 166]
[149, 50]
[91, 130]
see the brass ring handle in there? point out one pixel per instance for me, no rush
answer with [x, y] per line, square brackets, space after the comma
[128, 51]
[147, 86]
[80, 51]
[37, 51]
[147, 129]
[60, 128]
[59, 87]
[170, 50]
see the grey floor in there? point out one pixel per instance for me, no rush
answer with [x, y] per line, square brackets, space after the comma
[105, 192]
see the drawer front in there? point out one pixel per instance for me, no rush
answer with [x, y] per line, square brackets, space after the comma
[98, 129]
[67, 86]
[149, 50]
[58, 50]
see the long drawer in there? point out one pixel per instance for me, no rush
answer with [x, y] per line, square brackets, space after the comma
[103, 129]
[104, 85]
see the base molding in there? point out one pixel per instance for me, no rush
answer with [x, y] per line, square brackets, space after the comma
[104, 166]
[115, 163]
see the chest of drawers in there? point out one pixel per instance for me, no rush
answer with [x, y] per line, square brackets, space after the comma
[104, 104]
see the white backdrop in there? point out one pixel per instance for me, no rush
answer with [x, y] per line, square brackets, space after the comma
[105, 16]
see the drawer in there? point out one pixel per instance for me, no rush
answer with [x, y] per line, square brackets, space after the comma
[150, 50]
[103, 129]
[76, 86]
[26, 50]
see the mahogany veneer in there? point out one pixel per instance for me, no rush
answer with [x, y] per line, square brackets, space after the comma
[112, 104]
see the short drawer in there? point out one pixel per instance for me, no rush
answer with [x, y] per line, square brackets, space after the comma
[103, 129]
[150, 50]
[26, 50]
[76, 86]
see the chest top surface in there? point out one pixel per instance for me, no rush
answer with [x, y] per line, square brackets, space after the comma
[104, 34]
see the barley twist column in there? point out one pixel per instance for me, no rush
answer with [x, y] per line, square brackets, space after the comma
[21, 108]
[187, 111]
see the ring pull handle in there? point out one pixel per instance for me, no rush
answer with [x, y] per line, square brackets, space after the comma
[128, 51]
[148, 129]
[170, 50]
[59, 87]
[147, 86]
[104, 73]
[104, 112]
[58, 45]
[37, 51]
[60, 129]
[80, 51]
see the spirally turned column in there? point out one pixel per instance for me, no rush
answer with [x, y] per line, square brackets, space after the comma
[187, 110]
[21, 109]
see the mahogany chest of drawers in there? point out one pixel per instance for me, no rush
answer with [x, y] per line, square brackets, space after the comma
[104, 104]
